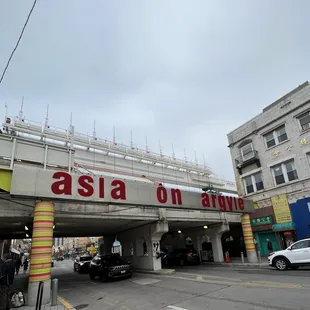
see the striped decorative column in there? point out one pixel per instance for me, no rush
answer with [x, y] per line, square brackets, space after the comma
[248, 238]
[41, 250]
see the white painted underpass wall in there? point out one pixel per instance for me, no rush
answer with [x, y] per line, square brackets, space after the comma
[215, 234]
[135, 238]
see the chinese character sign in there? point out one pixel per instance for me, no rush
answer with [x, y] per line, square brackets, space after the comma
[281, 209]
[265, 220]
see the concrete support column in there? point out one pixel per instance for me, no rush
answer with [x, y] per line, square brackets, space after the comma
[197, 243]
[215, 233]
[248, 238]
[217, 248]
[41, 252]
[105, 244]
[145, 242]
[156, 262]
[1, 249]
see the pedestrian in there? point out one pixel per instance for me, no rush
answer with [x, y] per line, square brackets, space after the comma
[256, 246]
[18, 263]
[269, 246]
[7, 272]
[25, 265]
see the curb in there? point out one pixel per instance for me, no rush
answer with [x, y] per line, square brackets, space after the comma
[65, 303]
[232, 265]
[159, 272]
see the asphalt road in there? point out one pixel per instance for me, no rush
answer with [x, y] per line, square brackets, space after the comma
[190, 288]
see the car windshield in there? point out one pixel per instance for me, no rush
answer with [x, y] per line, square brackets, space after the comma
[85, 258]
[113, 260]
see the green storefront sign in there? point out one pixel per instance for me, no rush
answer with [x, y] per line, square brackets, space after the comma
[265, 220]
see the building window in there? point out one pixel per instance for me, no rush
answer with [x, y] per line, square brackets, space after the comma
[304, 121]
[275, 137]
[253, 183]
[285, 172]
[247, 151]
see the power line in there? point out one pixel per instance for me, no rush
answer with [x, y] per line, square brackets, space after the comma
[17, 43]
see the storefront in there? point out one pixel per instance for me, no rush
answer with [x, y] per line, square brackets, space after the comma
[285, 233]
[261, 221]
[284, 226]
[300, 211]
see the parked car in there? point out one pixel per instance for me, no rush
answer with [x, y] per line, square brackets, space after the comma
[60, 258]
[81, 263]
[111, 266]
[182, 257]
[298, 254]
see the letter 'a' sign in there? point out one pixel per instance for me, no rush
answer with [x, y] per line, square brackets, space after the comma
[62, 185]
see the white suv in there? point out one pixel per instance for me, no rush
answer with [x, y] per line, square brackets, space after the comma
[298, 254]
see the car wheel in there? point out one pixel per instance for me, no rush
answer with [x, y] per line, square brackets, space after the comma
[294, 267]
[281, 263]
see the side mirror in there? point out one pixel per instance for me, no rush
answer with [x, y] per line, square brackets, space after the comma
[289, 248]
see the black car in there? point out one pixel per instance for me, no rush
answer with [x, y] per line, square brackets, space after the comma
[82, 263]
[182, 257]
[111, 266]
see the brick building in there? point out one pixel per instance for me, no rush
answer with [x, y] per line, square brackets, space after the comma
[271, 160]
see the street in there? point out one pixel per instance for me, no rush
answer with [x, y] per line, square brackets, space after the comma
[190, 288]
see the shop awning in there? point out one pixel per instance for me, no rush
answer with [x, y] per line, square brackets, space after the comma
[283, 226]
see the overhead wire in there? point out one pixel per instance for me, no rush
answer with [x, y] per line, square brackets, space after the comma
[18, 41]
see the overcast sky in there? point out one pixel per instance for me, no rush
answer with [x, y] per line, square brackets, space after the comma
[182, 72]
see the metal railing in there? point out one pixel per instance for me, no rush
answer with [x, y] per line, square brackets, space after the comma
[40, 295]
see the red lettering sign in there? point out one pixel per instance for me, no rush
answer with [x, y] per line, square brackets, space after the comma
[162, 195]
[119, 192]
[176, 197]
[86, 189]
[115, 189]
[86, 186]
[205, 200]
[64, 185]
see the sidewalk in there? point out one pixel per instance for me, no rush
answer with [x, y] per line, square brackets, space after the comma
[236, 262]
[46, 307]
[21, 283]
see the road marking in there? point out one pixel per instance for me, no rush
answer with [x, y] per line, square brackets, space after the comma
[248, 284]
[202, 277]
[65, 303]
[176, 308]
[145, 281]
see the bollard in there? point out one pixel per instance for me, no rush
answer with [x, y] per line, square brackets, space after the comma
[242, 258]
[54, 292]
[259, 257]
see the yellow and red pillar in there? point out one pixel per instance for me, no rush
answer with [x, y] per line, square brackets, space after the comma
[248, 238]
[41, 251]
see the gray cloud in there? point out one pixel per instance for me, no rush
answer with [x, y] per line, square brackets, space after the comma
[185, 73]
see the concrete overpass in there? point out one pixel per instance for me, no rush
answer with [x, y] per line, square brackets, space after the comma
[86, 186]
[35, 143]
